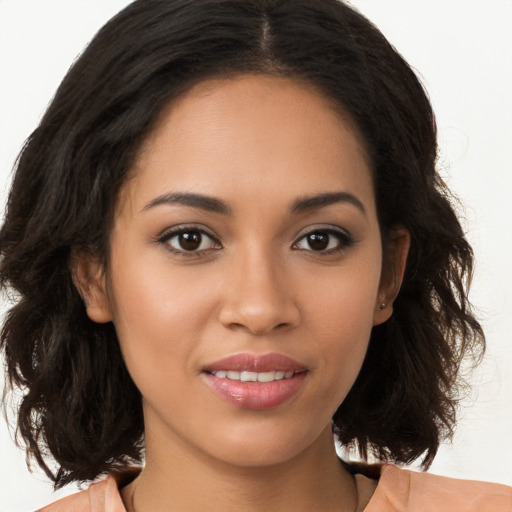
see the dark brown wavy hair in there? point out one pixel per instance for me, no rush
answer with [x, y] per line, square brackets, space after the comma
[80, 406]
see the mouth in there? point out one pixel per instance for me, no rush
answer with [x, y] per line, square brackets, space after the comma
[246, 376]
[255, 382]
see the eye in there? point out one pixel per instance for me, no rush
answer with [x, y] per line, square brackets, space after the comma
[324, 241]
[189, 240]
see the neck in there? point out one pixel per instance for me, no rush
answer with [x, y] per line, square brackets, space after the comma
[172, 481]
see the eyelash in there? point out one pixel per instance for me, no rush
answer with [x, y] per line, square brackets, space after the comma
[166, 237]
[345, 240]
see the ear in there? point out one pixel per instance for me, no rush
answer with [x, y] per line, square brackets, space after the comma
[90, 280]
[396, 250]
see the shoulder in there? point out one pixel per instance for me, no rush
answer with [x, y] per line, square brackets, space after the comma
[99, 497]
[398, 490]
[401, 490]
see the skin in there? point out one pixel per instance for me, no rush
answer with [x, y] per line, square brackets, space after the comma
[257, 286]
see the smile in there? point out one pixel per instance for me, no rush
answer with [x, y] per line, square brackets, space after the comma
[255, 382]
[246, 376]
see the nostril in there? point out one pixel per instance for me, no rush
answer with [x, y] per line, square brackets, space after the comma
[258, 315]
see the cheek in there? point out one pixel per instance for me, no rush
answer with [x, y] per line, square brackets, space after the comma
[344, 299]
[344, 328]
[159, 314]
[342, 312]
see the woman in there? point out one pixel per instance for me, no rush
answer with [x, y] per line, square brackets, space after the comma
[229, 241]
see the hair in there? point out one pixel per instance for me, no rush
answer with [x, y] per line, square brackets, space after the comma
[79, 405]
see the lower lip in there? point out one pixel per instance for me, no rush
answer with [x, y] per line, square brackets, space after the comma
[256, 396]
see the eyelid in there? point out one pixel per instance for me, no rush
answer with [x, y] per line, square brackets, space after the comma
[345, 237]
[169, 233]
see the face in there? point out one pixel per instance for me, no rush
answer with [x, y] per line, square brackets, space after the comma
[245, 271]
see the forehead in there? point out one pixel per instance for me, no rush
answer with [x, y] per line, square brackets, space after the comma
[252, 132]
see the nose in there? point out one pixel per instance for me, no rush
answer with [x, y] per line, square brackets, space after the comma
[258, 297]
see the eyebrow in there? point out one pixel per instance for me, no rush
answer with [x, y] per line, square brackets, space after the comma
[326, 199]
[212, 204]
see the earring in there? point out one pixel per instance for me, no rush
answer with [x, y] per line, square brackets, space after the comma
[383, 306]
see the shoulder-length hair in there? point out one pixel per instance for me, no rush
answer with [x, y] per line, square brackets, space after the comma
[80, 406]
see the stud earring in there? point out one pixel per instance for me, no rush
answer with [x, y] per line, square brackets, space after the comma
[382, 306]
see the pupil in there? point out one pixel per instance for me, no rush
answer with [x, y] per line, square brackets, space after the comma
[190, 240]
[318, 241]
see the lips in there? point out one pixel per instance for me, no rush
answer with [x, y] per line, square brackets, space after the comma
[252, 363]
[255, 382]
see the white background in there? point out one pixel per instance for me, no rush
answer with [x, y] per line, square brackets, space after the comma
[463, 53]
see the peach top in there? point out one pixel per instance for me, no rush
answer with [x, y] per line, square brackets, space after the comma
[397, 490]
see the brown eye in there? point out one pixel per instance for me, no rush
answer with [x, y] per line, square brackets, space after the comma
[318, 241]
[190, 240]
[324, 241]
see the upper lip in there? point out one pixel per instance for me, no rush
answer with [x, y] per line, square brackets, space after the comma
[256, 363]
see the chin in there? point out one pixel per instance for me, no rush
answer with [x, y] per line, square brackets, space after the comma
[264, 446]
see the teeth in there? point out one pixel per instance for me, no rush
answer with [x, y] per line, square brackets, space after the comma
[248, 376]
[253, 376]
[266, 376]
